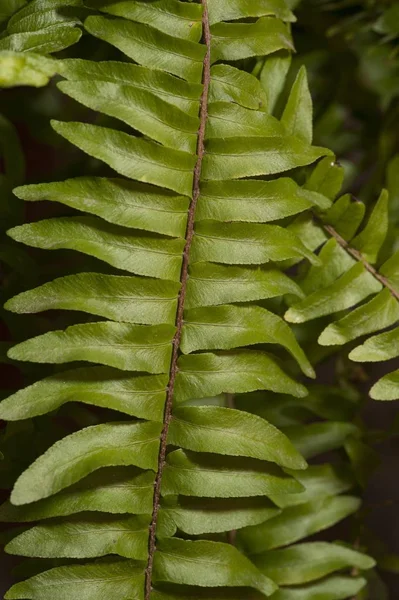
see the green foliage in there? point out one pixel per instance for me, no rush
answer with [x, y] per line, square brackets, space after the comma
[38, 27]
[351, 273]
[194, 427]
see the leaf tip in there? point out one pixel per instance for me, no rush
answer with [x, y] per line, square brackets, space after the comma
[9, 305]
[300, 465]
[21, 495]
[19, 191]
[59, 126]
[14, 352]
[301, 391]
[13, 233]
[309, 371]
[331, 336]
[358, 355]
[293, 316]
[10, 548]
[382, 392]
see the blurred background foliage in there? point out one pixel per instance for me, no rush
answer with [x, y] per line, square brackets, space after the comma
[351, 51]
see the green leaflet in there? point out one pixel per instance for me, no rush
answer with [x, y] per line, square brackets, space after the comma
[51, 39]
[129, 299]
[298, 522]
[255, 200]
[40, 16]
[127, 347]
[317, 438]
[319, 481]
[226, 327]
[387, 22]
[380, 312]
[216, 564]
[136, 252]
[211, 284]
[175, 91]
[206, 375]
[265, 36]
[326, 403]
[123, 578]
[338, 211]
[332, 588]
[149, 47]
[85, 537]
[81, 453]
[371, 238]
[142, 396]
[345, 216]
[298, 113]
[234, 432]
[138, 108]
[236, 158]
[390, 270]
[227, 120]
[348, 290]
[229, 84]
[118, 201]
[334, 263]
[229, 10]
[25, 69]
[305, 228]
[307, 562]
[364, 459]
[377, 348]
[39, 6]
[252, 243]
[387, 388]
[196, 517]
[8, 7]
[326, 178]
[108, 490]
[273, 76]
[174, 18]
[133, 157]
[213, 476]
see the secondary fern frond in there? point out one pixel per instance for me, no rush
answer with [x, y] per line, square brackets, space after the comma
[42, 26]
[188, 222]
[31, 31]
[278, 544]
[353, 277]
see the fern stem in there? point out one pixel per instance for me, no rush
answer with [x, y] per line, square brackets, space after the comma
[360, 258]
[182, 295]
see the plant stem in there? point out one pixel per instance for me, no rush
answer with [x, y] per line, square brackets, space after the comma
[360, 258]
[180, 306]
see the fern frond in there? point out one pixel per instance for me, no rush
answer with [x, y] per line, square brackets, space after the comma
[278, 543]
[42, 26]
[352, 278]
[31, 31]
[201, 136]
